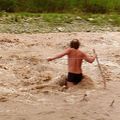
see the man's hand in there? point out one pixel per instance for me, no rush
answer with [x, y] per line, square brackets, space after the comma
[49, 59]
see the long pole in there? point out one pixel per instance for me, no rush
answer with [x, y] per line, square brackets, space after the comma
[99, 66]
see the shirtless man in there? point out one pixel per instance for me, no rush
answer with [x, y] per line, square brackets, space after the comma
[75, 59]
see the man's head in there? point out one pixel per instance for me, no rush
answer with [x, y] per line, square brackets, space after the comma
[75, 44]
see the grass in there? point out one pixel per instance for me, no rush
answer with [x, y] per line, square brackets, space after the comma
[58, 19]
[103, 19]
[49, 22]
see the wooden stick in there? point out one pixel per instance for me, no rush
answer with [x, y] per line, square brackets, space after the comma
[112, 103]
[104, 80]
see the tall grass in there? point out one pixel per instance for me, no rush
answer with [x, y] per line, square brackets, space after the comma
[93, 6]
[101, 6]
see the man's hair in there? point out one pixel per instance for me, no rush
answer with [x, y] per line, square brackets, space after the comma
[75, 44]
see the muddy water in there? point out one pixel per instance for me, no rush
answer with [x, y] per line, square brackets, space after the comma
[32, 88]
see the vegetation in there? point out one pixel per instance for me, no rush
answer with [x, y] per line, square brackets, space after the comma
[32, 16]
[93, 6]
[57, 22]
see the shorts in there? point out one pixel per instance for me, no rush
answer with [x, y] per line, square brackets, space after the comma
[74, 78]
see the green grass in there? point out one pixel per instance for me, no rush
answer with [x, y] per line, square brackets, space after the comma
[58, 18]
[49, 22]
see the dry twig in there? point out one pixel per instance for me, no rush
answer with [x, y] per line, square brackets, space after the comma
[112, 103]
[84, 97]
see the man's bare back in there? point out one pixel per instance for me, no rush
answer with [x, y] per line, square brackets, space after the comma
[75, 59]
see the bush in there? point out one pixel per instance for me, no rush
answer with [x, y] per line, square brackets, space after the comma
[7, 5]
[93, 6]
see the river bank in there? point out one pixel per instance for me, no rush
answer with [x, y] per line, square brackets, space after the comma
[56, 22]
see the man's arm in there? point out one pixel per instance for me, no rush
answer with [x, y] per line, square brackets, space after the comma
[89, 59]
[66, 52]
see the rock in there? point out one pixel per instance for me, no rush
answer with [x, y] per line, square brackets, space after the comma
[78, 18]
[90, 19]
[3, 99]
[88, 30]
[60, 29]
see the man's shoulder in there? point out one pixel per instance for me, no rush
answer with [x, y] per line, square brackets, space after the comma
[82, 53]
[69, 49]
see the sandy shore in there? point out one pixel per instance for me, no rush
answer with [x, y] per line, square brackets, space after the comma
[30, 87]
